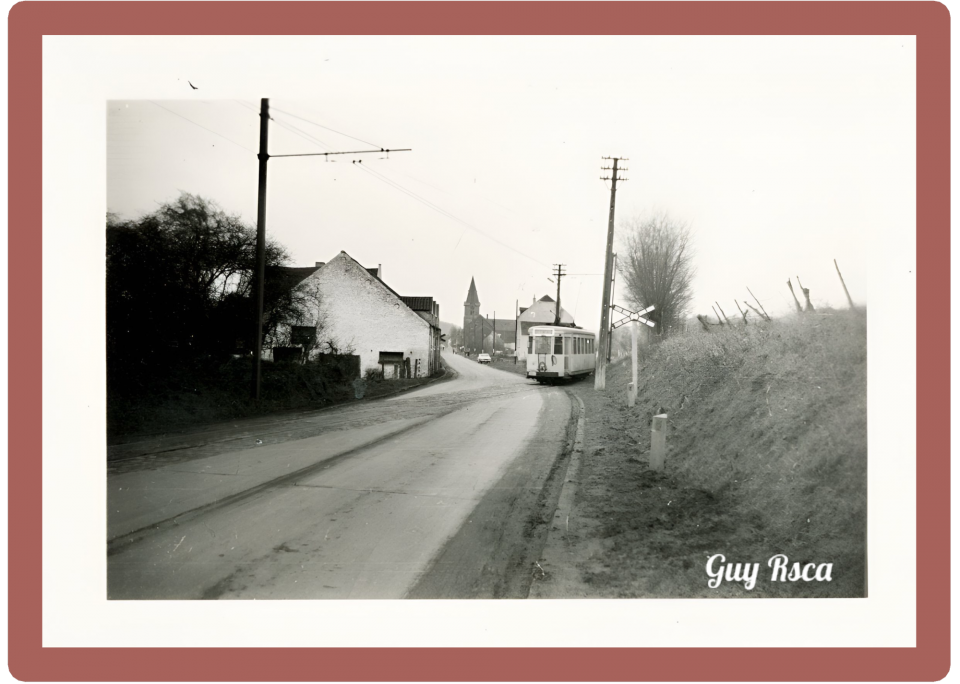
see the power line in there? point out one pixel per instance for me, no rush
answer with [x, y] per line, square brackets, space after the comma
[365, 142]
[397, 185]
[289, 127]
[446, 213]
[209, 130]
[303, 134]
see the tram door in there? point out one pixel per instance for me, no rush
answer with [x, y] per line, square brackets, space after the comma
[549, 351]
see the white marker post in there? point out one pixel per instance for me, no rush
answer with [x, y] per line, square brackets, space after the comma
[658, 441]
[632, 392]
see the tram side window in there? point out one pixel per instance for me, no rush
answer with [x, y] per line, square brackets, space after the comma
[530, 344]
[558, 345]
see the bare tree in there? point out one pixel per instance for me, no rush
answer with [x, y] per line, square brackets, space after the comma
[656, 264]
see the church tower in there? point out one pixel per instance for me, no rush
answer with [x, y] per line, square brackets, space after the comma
[471, 309]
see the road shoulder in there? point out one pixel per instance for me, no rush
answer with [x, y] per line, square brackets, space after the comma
[494, 553]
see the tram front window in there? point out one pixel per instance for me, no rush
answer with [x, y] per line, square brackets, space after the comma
[542, 344]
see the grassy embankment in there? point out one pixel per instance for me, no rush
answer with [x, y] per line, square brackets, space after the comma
[189, 397]
[767, 454]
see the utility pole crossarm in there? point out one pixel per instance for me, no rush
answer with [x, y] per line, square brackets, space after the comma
[326, 154]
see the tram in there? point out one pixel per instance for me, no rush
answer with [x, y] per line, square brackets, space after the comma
[555, 352]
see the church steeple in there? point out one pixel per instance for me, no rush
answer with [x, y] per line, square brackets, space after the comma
[472, 323]
[471, 307]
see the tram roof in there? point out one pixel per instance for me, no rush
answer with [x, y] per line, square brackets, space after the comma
[559, 329]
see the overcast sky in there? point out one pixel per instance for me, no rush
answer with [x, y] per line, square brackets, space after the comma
[781, 153]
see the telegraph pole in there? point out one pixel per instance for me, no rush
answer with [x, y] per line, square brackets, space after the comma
[600, 377]
[257, 284]
[559, 274]
[613, 288]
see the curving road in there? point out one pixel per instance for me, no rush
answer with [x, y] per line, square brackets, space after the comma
[379, 499]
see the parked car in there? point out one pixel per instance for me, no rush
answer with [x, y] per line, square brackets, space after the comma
[483, 358]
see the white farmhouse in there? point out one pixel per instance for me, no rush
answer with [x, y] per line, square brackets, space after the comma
[399, 336]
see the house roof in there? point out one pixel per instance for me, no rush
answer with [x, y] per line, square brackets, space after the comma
[288, 277]
[373, 272]
[542, 312]
[419, 303]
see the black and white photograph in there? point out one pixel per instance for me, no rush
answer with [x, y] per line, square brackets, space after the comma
[490, 319]
[502, 317]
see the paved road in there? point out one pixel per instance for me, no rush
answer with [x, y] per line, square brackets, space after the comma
[355, 502]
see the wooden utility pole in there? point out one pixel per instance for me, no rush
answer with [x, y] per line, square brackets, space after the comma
[600, 377]
[516, 332]
[258, 272]
[559, 274]
[256, 285]
[613, 289]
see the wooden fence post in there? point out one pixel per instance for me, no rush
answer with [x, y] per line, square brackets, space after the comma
[658, 441]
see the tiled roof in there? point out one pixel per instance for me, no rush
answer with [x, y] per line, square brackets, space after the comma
[288, 277]
[419, 303]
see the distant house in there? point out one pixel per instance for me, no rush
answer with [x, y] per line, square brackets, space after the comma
[541, 312]
[356, 312]
[479, 330]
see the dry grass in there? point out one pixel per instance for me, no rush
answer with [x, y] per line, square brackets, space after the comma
[767, 453]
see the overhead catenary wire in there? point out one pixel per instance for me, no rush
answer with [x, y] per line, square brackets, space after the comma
[314, 123]
[209, 130]
[381, 177]
[290, 128]
[303, 134]
[446, 213]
